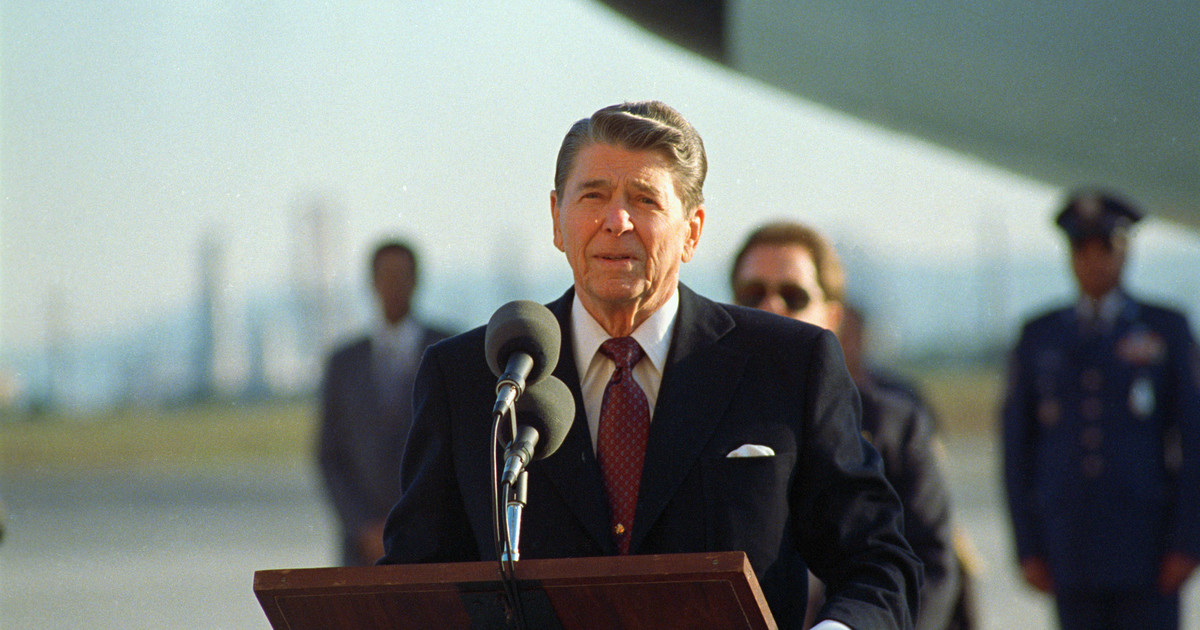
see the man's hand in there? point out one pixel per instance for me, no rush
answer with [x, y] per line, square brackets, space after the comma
[1037, 574]
[1174, 571]
[370, 542]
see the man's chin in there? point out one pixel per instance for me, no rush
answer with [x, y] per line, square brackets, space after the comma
[618, 292]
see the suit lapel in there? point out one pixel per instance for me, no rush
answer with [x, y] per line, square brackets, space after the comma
[698, 383]
[573, 468]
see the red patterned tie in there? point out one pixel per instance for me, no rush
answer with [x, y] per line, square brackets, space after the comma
[621, 441]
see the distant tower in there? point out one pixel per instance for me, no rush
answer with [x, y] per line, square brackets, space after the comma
[257, 383]
[314, 278]
[313, 269]
[510, 268]
[204, 357]
[57, 362]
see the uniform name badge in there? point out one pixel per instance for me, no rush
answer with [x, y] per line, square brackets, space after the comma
[1141, 398]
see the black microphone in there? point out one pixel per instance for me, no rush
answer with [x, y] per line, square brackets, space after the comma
[544, 417]
[522, 344]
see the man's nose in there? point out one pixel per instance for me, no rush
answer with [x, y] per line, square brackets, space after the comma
[616, 217]
[773, 303]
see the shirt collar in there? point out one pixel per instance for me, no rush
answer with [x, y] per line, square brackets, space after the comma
[398, 336]
[1105, 310]
[654, 334]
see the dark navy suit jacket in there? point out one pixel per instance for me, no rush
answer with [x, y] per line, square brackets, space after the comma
[734, 376]
[902, 432]
[361, 440]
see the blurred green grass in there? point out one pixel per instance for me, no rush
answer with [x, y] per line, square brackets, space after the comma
[282, 433]
[198, 436]
[966, 398]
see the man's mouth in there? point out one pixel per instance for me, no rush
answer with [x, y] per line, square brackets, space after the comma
[615, 257]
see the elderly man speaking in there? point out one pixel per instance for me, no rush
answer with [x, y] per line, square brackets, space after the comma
[699, 426]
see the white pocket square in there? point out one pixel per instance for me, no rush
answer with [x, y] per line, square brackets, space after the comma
[752, 450]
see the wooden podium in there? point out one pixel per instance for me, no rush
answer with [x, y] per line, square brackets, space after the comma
[663, 592]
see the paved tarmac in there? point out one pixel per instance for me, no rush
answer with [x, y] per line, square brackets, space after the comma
[127, 550]
[161, 551]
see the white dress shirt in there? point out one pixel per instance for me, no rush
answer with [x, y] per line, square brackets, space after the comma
[595, 369]
[1102, 312]
[395, 350]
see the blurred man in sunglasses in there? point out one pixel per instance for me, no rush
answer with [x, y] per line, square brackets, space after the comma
[791, 270]
[1102, 439]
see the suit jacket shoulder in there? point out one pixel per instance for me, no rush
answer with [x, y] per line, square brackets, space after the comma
[433, 335]
[1161, 317]
[351, 350]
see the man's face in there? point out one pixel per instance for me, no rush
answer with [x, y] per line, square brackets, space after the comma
[394, 283]
[782, 279]
[625, 232]
[1097, 264]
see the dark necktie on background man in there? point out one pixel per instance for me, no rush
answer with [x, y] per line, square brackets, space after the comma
[621, 439]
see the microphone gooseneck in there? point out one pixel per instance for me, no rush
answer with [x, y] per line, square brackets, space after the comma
[544, 417]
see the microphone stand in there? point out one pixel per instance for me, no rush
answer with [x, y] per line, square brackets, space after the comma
[506, 542]
[516, 502]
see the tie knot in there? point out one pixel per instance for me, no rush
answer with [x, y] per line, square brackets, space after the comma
[624, 351]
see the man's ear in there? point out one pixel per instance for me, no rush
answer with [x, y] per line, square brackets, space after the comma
[835, 312]
[695, 227]
[558, 239]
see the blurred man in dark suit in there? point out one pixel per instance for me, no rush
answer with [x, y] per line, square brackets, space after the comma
[853, 335]
[791, 270]
[741, 428]
[1102, 439]
[366, 407]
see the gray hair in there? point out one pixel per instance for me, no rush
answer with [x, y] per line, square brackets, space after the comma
[641, 126]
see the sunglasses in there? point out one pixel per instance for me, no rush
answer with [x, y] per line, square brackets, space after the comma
[752, 293]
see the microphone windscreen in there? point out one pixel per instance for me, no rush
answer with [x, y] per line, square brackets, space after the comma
[523, 326]
[549, 407]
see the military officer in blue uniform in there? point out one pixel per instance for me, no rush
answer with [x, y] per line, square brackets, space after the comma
[1102, 439]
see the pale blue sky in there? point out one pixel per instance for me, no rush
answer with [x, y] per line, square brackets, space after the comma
[132, 127]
